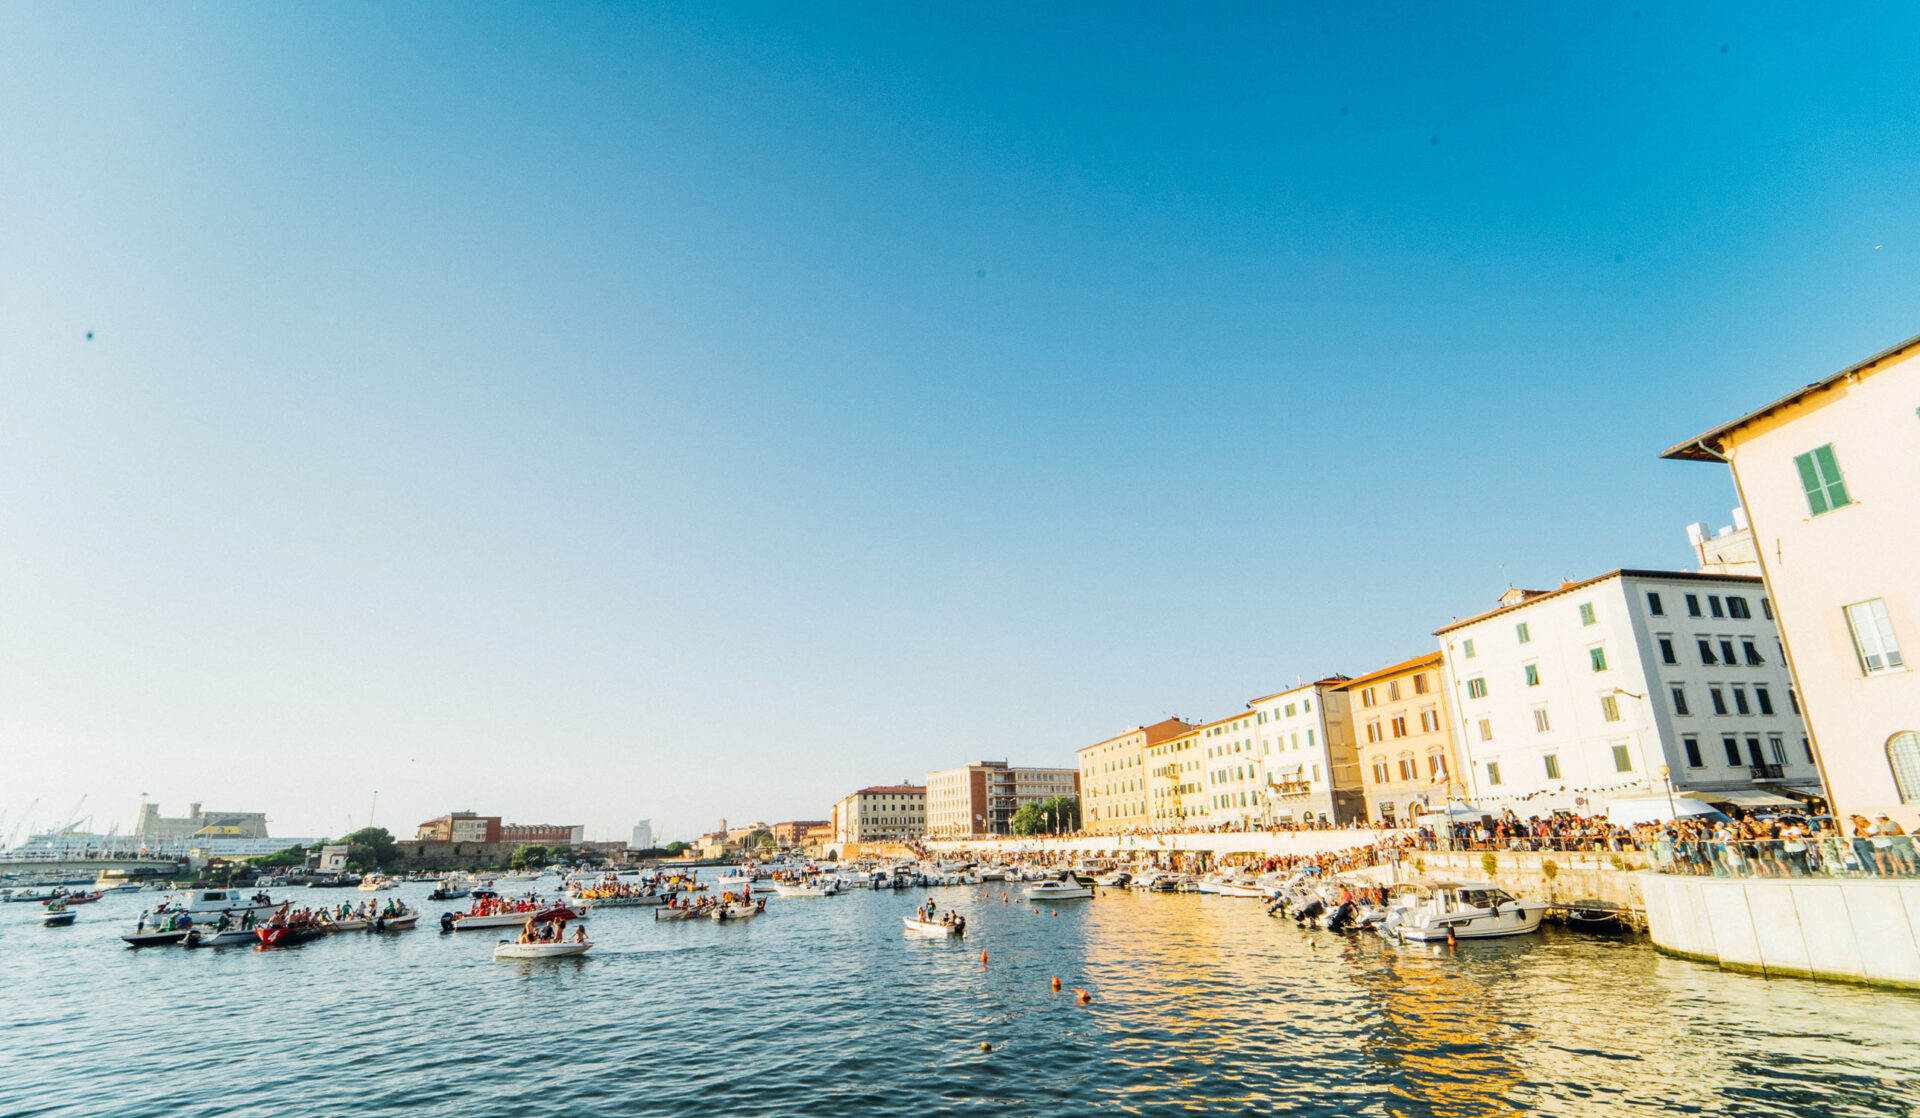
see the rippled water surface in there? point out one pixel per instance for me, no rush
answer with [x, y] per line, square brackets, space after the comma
[824, 1007]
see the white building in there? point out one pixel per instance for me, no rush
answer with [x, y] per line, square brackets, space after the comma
[1566, 698]
[642, 836]
[1830, 476]
[1312, 766]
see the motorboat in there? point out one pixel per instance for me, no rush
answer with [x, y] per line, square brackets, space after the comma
[919, 927]
[1463, 910]
[287, 935]
[1058, 891]
[57, 914]
[35, 893]
[734, 882]
[815, 887]
[691, 912]
[520, 878]
[739, 910]
[401, 919]
[208, 936]
[1114, 879]
[377, 882]
[507, 949]
[452, 887]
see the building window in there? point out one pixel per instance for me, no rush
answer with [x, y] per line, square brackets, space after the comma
[1400, 727]
[1778, 748]
[1586, 613]
[1653, 605]
[1366, 696]
[1763, 700]
[1693, 605]
[1540, 722]
[1806, 746]
[1753, 654]
[1719, 700]
[1429, 721]
[1713, 605]
[1873, 638]
[1692, 747]
[1903, 754]
[1740, 700]
[1726, 652]
[1666, 651]
[1706, 652]
[1737, 608]
[1732, 746]
[1486, 729]
[1522, 632]
[1408, 769]
[1380, 772]
[1436, 765]
[1466, 650]
[1553, 766]
[1680, 700]
[1420, 684]
[1477, 687]
[1793, 701]
[1493, 772]
[1820, 477]
[1599, 657]
[1393, 690]
[1610, 708]
[1766, 609]
[1533, 675]
[1622, 760]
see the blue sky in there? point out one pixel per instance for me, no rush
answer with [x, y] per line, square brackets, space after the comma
[600, 412]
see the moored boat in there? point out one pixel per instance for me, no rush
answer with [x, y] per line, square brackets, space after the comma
[1463, 910]
[507, 949]
[1058, 891]
[737, 910]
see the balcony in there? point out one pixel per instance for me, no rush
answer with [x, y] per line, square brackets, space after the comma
[1767, 772]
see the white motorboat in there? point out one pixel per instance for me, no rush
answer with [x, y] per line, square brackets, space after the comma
[920, 927]
[37, 893]
[738, 911]
[452, 887]
[733, 882]
[1464, 909]
[1058, 891]
[519, 878]
[57, 915]
[507, 949]
[468, 921]
[1114, 879]
[817, 887]
[207, 937]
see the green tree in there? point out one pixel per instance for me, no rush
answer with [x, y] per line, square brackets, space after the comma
[291, 856]
[371, 848]
[675, 849]
[530, 856]
[1029, 820]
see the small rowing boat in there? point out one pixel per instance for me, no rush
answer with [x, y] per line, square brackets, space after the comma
[743, 910]
[935, 927]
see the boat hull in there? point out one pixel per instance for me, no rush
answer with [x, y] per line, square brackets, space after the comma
[931, 928]
[154, 939]
[1069, 893]
[286, 937]
[57, 919]
[508, 950]
[1473, 927]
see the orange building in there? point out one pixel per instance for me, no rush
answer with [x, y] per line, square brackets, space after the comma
[1405, 737]
[1113, 777]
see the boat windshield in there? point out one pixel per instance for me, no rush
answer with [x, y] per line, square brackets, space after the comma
[1484, 898]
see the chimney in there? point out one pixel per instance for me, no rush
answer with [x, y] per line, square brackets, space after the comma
[1740, 520]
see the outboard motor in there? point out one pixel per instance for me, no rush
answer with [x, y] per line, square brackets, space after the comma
[446, 921]
[1310, 910]
[1340, 918]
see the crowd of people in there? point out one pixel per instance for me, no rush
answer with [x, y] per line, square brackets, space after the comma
[1785, 846]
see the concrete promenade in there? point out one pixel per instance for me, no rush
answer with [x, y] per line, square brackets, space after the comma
[1218, 844]
[1865, 931]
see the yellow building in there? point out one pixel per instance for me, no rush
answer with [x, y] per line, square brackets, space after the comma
[1113, 777]
[1401, 724]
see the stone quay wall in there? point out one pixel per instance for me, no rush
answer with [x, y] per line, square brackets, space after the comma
[1842, 931]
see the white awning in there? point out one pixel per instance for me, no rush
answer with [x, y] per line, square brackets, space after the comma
[1746, 799]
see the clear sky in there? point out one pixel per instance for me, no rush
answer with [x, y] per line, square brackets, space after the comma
[596, 412]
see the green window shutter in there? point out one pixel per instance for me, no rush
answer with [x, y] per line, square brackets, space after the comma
[1810, 481]
[1830, 472]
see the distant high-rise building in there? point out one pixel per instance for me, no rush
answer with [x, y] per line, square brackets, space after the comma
[642, 835]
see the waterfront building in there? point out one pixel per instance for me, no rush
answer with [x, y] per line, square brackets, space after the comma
[1233, 777]
[1566, 698]
[241, 824]
[1307, 744]
[1176, 781]
[642, 838]
[794, 833]
[1827, 476]
[462, 827]
[543, 834]
[882, 813]
[1113, 777]
[981, 798]
[1405, 735]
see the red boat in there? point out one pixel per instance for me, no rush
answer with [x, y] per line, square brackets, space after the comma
[82, 898]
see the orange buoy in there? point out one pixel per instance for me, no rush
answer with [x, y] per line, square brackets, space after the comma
[983, 958]
[1083, 997]
[1036, 912]
[1056, 982]
[1056, 913]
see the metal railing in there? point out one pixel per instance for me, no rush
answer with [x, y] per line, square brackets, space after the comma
[1862, 858]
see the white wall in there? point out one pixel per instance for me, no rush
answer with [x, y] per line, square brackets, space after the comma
[1852, 931]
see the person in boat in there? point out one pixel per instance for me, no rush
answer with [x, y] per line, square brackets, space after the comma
[580, 934]
[141, 924]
